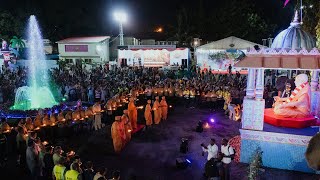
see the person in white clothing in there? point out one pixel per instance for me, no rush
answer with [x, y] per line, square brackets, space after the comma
[97, 115]
[103, 94]
[212, 149]
[228, 154]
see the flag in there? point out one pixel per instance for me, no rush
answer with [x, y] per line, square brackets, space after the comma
[285, 3]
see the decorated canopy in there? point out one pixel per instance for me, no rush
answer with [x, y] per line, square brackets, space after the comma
[218, 55]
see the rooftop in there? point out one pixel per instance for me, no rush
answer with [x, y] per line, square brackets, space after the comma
[272, 58]
[92, 39]
[229, 42]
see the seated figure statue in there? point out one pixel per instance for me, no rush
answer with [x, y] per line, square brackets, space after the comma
[298, 104]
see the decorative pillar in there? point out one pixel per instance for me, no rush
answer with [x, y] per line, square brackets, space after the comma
[314, 80]
[251, 83]
[290, 74]
[315, 94]
[253, 108]
[260, 84]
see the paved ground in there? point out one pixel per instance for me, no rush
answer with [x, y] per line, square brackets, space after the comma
[151, 155]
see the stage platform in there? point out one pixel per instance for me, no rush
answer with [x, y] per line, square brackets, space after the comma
[283, 148]
[271, 118]
[308, 131]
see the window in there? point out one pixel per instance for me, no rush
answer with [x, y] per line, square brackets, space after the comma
[69, 61]
[88, 61]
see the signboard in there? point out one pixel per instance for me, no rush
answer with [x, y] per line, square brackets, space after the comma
[6, 56]
[76, 48]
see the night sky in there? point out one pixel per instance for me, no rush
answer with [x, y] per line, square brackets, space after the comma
[95, 17]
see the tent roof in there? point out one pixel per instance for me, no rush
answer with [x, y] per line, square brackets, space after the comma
[229, 42]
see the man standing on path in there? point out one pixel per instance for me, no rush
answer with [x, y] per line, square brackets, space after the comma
[228, 154]
[212, 149]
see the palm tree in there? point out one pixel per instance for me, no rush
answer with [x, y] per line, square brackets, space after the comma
[17, 43]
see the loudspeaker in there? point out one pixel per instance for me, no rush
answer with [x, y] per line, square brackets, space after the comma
[184, 146]
[181, 163]
[199, 127]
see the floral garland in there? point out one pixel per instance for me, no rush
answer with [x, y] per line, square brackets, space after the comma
[235, 142]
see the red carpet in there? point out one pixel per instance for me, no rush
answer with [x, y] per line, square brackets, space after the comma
[271, 118]
[139, 127]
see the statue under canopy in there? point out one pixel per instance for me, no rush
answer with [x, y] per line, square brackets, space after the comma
[298, 104]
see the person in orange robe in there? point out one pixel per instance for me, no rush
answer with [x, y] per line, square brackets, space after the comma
[133, 113]
[157, 111]
[53, 119]
[37, 121]
[69, 116]
[127, 126]
[164, 108]
[76, 115]
[61, 116]
[45, 119]
[116, 134]
[29, 124]
[148, 114]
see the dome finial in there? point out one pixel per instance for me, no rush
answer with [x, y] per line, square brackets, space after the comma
[295, 21]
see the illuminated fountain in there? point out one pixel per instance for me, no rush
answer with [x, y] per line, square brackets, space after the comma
[37, 94]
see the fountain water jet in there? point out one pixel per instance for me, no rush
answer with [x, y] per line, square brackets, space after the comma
[37, 94]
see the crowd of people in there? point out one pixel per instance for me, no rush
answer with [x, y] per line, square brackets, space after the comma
[45, 161]
[113, 94]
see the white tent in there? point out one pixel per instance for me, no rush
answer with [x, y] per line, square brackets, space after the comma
[228, 46]
[229, 43]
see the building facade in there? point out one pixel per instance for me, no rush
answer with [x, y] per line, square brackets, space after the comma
[153, 56]
[89, 50]
[47, 46]
[114, 43]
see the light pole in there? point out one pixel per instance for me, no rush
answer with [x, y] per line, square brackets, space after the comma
[121, 17]
[195, 44]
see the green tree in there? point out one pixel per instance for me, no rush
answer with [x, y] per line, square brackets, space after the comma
[239, 18]
[310, 14]
[17, 43]
[62, 63]
[9, 25]
[184, 30]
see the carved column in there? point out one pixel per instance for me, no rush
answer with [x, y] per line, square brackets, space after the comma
[314, 80]
[253, 108]
[260, 84]
[251, 83]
